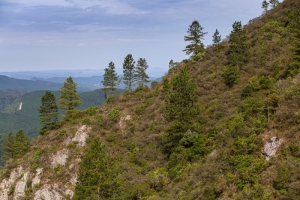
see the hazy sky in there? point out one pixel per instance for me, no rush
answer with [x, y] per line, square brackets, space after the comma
[88, 34]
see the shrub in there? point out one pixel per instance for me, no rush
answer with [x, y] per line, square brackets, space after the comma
[91, 111]
[114, 114]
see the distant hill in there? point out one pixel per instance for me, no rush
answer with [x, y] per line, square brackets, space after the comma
[12, 119]
[30, 85]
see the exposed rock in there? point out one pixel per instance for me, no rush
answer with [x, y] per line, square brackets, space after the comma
[48, 192]
[21, 187]
[4, 194]
[80, 136]
[60, 158]
[69, 193]
[122, 122]
[73, 179]
[13, 177]
[271, 147]
[37, 179]
[212, 155]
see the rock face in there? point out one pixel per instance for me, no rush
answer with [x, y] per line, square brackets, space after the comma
[21, 187]
[122, 122]
[271, 147]
[6, 183]
[37, 179]
[48, 192]
[60, 158]
[79, 137]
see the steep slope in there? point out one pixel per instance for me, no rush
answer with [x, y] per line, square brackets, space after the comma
[244, 144]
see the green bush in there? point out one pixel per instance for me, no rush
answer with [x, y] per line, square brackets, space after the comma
[91, 111]
[114, 114]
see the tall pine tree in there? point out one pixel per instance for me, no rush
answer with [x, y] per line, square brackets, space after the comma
[195, 35]
[8, 147]
[181, 109]
[69, 99]
[140, 75]
[128, 70]
[21, 144]
[48, 111]
[96, 174]
[216, 39]
[111, 79]
[236, 54]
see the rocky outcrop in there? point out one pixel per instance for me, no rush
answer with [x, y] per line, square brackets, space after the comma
[271, 147]
[37, 179]
[48, 192]
[122, 122]
[60, 158]
[20, 187]
[80, 136]
[7, 183]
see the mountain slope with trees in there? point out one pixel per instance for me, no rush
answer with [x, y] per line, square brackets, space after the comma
[205, 132]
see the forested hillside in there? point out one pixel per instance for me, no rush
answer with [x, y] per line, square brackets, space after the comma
[221, 125]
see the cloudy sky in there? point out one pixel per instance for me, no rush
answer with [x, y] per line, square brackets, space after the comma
[88, 34]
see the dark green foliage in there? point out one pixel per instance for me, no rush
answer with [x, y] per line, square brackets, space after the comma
[171, 64]
[7, 147]
[181, 111]
[96, 174]
[274, 3]
[128, 71]
[69, 99]
[21, 144]
[48, 111]
[236, 54]
[111, 79]
[114, 114]
[195, 35]
[140, 75]
[265, 5]
[216, 38]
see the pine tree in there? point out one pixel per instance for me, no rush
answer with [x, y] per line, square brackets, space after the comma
[171, 64]
[236, 54]
[181, 109]
[96, 174]
[265, 5]
[7, 147]
[274, 3]
[111, 79]
[48, 111]
[21, 144]
[140, 75]
[128, 70]
[69, 99]
[216, 39]
[195, 35]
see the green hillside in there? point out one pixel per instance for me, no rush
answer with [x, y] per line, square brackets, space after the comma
[29, 85]
[223, 125]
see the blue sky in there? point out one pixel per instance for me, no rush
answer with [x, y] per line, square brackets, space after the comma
[88, 34]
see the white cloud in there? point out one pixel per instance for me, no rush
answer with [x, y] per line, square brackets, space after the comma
[111, 6]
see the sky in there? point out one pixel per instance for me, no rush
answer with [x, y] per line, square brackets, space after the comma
[38, 35]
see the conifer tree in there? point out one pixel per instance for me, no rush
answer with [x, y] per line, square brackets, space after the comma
[21, 143]
[96, 174]
[171, 64]
[236, 54]
[140, 75]
[48, 111]
[111, 79]
[195, 35]
[265, 5]
[128, 70]
[69, 99]
[274, 3]
[181, 109]
[8, 147]
[216, 38]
